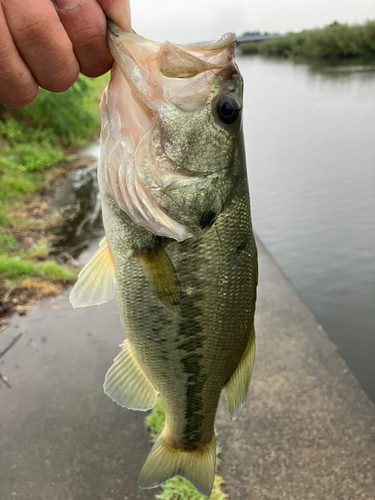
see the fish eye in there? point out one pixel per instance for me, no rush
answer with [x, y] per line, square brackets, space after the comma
[227, 109]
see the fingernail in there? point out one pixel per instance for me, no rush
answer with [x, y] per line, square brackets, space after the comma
[66, 5]
[118, 11]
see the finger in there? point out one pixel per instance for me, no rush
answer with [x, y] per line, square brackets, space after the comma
[118, 11]
[42, 42]
[85, 23]
[17, 85]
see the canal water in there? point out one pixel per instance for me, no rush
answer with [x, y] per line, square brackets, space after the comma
[310, 140]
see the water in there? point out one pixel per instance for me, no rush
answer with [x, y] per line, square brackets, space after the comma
[310, 140]
[311, 154]
[80, 198]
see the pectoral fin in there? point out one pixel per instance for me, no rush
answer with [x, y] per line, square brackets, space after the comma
[161, 274]
[96, 281]
[126, 383]
[237, 387]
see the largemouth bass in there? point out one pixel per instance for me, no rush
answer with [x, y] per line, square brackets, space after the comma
[179, 250]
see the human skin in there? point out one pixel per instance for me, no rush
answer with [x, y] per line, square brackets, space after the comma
[47, 44]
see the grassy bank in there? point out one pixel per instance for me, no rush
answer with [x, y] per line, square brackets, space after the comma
[37, 145]
[336, 41]
[177, 488]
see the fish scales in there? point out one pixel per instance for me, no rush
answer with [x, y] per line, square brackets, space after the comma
[212, 273]
[179, 246]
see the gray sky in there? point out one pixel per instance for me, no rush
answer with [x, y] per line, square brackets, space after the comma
[183, 21]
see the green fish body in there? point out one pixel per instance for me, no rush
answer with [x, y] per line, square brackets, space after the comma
[179, 250]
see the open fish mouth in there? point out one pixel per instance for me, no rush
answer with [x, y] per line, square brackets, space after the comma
[177, 61]
[155, 88]
[179, 74]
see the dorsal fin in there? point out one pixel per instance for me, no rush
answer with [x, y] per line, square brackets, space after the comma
[96, 281]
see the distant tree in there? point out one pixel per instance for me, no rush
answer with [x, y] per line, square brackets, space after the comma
[251, 33]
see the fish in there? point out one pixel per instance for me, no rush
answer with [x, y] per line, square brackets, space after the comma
[179, 251]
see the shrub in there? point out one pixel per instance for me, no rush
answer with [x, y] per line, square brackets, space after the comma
[336, 41]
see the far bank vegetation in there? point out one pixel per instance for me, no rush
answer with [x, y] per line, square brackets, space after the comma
[336, 41]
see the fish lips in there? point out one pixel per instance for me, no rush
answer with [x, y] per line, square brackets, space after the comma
[165, 70]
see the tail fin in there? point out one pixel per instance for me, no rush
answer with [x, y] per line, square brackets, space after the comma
[165, 462]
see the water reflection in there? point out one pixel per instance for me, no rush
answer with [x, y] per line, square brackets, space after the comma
[335, 68]
[81, 201]
[311, 153]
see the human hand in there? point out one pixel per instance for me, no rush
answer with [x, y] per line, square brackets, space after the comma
[47, 43]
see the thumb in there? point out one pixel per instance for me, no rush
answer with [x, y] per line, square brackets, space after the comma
[118, 11]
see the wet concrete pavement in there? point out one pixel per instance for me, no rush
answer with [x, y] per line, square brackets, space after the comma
[61, 437]
[308, 429]
[307, 432]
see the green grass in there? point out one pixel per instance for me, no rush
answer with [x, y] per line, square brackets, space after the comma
[17, 269]
[155, 420]
[336, 41]
[177, 488]
[7, 243]
[33, 140]
[39, 250]
[180, 489]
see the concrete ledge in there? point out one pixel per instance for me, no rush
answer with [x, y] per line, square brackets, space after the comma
[308, 430]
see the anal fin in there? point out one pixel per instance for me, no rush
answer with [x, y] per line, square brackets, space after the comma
[237, 387]
[96, 281]
[126, 383]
